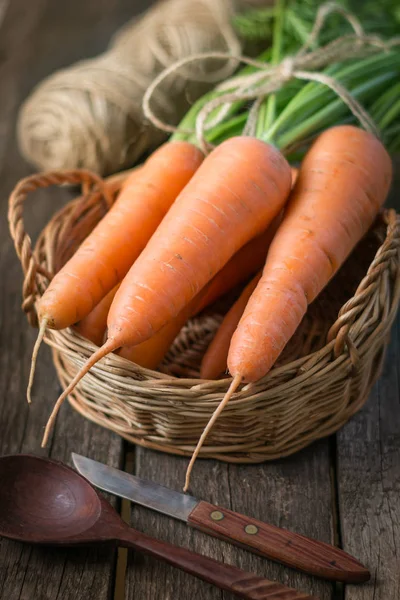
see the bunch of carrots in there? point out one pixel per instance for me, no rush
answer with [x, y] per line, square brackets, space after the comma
[180, 231]
[186, 228]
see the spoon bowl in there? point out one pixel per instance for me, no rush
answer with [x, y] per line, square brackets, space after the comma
[45, 502]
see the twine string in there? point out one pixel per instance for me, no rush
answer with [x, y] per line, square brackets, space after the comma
[90, 114]
[304, 65]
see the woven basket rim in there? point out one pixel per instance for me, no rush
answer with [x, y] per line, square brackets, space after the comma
[155, 409]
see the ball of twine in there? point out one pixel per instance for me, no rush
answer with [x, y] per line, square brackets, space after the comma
[90, 115]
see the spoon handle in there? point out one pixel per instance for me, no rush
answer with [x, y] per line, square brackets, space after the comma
[227, 577]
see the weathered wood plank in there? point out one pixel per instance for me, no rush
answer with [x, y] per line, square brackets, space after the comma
[368, 474]
[148, 579]
[369, 484]
[293, 493]
[3, 7]
[34, 41]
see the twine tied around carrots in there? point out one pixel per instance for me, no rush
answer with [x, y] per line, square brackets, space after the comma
[270, 78]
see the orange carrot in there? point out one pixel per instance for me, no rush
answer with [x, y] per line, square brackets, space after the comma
[150, 353]
[108, 252]
[295, 174]
[236, 192]
[343, 181]
[244, 263]
[215, 359]
[247, 261]
[93, 327]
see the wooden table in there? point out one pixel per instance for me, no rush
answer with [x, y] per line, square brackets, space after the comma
[343, 490]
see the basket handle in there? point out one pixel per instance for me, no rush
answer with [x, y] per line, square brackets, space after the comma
[341, 329]
[22, 241]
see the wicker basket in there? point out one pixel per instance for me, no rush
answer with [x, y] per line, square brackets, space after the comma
[323, 377]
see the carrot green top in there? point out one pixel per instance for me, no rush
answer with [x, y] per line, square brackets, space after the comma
[304, 84]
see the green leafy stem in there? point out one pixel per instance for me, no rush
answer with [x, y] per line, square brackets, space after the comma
[291, 117]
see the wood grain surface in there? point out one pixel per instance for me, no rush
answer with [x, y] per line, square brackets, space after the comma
[343, 490]
[368, 475]
[294, 493]
[279, 544]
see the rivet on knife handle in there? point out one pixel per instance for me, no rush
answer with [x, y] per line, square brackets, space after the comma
[291, 549]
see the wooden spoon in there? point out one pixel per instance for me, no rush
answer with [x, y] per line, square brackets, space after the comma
[46, 502]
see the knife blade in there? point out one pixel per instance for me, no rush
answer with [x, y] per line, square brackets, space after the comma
[288, 548]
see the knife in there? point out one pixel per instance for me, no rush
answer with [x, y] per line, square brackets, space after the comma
[291, 549]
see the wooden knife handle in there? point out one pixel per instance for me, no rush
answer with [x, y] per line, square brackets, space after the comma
[291, 549]
[227, 577]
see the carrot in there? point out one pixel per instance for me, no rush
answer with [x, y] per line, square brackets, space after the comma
[244, 263]
[108, 252]
[106, 255]
[150, 353]
[215, 359]
[295, 174]
[247, 261]
[93, 326]
[343, 181]
[236, 192]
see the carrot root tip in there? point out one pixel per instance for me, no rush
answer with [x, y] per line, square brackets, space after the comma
[100, 353]
[236, 381]
[38, 343]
